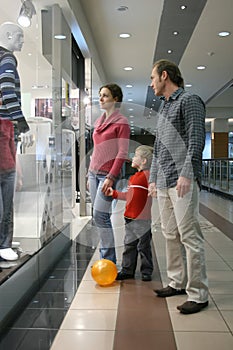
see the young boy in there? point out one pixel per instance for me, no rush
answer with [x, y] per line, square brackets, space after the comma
[137, 218]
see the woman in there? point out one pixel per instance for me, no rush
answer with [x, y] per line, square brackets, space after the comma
[111, 141]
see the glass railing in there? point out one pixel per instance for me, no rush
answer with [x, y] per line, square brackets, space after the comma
[217, 174]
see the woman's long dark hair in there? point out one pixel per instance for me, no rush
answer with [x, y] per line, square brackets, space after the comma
[115, 91]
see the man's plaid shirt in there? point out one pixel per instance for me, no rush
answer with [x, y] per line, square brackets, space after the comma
[180, 139]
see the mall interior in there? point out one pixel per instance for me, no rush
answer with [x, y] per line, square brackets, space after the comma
[48, 296]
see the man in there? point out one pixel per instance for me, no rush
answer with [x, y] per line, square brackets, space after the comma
[175, 179]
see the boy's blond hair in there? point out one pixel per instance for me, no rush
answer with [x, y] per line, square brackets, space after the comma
[146, 152]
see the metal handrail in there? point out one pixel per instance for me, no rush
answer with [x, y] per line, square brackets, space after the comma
[217, 174]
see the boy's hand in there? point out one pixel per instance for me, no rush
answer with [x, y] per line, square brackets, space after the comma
[106, 184]
[152, 191]
[109, 192]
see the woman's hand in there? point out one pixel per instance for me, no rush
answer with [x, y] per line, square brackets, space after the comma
[19, 184]
[106, 184]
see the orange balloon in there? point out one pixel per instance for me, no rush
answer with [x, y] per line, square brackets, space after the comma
[104, 272]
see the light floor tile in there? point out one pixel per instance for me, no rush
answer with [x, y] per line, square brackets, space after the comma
[223, 301]
[203, 341]
[92, 287]
[225, 252]
[83, 340]
[228, 317]
[222, 243]
[96, 256]
[90, 320]
[95, 301]
[87, 275]
[227, 255]
[223, 276]
[220, 287]
[219, 265]
[204, 321]
[210, 254]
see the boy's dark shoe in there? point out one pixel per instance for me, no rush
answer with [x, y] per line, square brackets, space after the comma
[146, 278]
[191, 307]
[169, 292]
[123, 276]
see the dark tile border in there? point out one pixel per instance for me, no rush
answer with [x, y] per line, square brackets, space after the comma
[143, 320]
[217, 220]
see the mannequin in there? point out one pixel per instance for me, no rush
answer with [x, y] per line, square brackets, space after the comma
[72, 123]
[12, 123]
[7, 184]
[11, 39]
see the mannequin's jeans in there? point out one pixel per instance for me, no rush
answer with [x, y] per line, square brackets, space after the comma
[7, 186]
[184, 242]
[102, 209]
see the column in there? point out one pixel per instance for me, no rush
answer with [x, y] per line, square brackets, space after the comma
[219, 138]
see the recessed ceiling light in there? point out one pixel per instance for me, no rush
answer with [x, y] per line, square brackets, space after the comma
[224, 33]
[188, 85]
[124, 35]
[201, 67]
[175, 32]
[131, 116]
[130, 109]
[130, 100]
[128, 68]
[34, 87]
[183, 7]
[129, 86]
[122, 8]
[169, 51]
[60, 36]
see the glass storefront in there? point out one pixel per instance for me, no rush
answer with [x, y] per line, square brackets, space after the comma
[46, 154]
[51, 161]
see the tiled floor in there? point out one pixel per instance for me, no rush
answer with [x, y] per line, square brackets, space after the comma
[128, 315]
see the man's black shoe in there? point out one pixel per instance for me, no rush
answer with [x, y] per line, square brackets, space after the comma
[191, 307]
[123, 276]
[146, 278]
[169, 292]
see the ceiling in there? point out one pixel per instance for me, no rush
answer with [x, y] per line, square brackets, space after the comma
[96, 25]
[151, 24]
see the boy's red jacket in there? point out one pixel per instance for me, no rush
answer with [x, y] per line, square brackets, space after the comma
[138, 204]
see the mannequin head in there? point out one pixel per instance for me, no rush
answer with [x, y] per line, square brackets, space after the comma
[11, 36]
